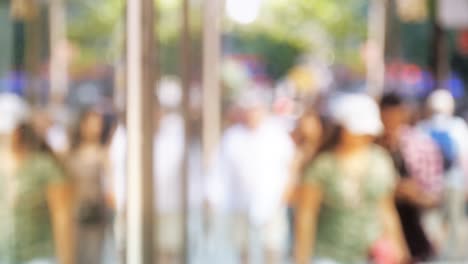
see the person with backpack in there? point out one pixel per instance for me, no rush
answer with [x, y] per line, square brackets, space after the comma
[450, 134]
[419, 164]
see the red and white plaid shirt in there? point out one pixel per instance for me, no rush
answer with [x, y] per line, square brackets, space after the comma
[423, 159]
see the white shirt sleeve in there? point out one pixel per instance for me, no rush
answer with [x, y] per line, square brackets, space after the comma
[216, 191]
[117, 160]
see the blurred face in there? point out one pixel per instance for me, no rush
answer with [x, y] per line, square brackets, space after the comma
[16, 141]
[25, 139]
[311, 127]
[91, 128]
[349, 140]
[235, 115]
[254, 116]
[41, 123]
[394, 118]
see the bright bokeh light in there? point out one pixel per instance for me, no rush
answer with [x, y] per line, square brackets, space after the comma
[243, 11]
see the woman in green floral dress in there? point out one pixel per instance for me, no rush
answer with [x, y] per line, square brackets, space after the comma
[35, 204]
[347, 198]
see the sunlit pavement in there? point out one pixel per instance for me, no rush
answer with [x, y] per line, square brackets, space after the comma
[211, 248]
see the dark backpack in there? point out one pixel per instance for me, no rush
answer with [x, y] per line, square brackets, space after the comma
[447, 147]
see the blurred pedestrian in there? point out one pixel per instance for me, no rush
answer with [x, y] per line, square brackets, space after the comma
[249, 180]
[450, 133]
[87, 165]
[419, 165]
[36, 198]
[51, 131]
[168, 155]
[308, 137]
[168, 151]
[347, 212]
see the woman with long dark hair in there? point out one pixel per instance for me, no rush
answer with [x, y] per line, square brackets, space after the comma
[307, 137]
[88, 168]
[346, 210]
[35, 197]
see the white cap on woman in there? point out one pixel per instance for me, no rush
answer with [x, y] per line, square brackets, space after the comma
[357, 113]
[13, 110]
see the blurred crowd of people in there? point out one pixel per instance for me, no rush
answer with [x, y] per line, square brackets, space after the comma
[56, 194]
[64, 184]
[358, 180]
[352, 180]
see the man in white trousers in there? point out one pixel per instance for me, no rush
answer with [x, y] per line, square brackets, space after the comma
[248, 181]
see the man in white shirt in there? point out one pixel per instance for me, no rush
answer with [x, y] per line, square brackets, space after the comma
[249, 179]
[442, 120]
[168, 159]
[168, 151]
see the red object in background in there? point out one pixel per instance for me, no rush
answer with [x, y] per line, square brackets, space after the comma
[283, 106]
[411, 74]
[462, 41]
[383, 252]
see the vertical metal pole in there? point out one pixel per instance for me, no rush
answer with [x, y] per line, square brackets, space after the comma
[376, 41]
[120, 66]
[392, 32]
[211, 77]
[186, 63]
[439, 56]
[140, 83]
[58, 60]
[33, 56]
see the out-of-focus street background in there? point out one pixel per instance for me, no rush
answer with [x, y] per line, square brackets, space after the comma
[233, 131]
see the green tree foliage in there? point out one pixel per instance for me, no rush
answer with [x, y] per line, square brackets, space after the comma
[96, 27]
[284, 30]
[279, 55]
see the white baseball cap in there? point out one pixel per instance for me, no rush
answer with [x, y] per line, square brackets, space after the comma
[441, 101]
[357, 113]
[170, 92]
[13, 111]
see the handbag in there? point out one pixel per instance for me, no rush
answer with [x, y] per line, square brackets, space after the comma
[383, 252]
[91, 213]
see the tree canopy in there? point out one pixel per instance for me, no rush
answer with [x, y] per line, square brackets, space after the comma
[291, 27]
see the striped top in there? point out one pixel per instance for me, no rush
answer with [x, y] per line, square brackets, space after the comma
[423, 159]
